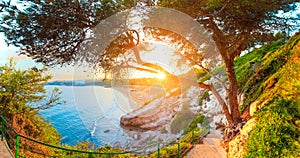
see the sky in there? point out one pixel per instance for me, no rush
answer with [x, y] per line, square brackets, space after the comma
[7, 52]
[23, 62]
[165, 59]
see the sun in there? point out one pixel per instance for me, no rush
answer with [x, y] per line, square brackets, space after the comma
[161, 76]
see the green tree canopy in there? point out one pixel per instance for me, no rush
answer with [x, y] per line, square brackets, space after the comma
[52, 31]
[23, 92]
[22, 95]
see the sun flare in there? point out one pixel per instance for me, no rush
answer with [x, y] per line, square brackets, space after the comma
[161, 76]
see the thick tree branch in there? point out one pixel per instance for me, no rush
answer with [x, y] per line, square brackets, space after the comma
[139, 68]
[241, 45]
[147, 64]
[218, 36]
[204, 86]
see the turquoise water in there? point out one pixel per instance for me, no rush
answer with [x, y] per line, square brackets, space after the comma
[91, 113]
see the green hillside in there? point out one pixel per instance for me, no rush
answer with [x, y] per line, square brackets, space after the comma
[270, 79]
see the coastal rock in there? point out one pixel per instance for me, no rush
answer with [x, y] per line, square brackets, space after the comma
[241, 98]
[153, 116]
[136, 136]
[117, 145]
[253, 107]
[236, 146]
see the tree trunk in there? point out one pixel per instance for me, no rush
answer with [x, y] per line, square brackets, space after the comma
[233, 91]
[224, 106]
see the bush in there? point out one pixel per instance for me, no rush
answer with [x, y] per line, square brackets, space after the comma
[21, 95]
[171, 151]
[277, 131]
[202, 97]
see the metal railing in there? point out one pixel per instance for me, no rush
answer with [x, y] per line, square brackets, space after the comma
[16, 141]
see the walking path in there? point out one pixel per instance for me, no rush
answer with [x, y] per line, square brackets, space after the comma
[4, 153]
[210, 148]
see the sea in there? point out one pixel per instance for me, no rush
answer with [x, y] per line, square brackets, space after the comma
[91, 113]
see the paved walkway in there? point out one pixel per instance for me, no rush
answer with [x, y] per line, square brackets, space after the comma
[3, 150]
[209, 149]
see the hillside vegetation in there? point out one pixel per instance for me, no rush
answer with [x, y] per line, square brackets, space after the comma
[22, 95]
[270, 79]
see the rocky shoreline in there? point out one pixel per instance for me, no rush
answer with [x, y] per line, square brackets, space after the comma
[151, 120]
[155, 115]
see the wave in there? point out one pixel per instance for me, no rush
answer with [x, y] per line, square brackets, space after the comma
[94, 128]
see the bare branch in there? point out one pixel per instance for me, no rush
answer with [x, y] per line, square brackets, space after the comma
[220, 100]
[216, 13]
[215, 77]
[218, 36]
[4, 5]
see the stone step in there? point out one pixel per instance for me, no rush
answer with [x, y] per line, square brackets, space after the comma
[207, 151]
[211, 136]
[214, 134]
[211, 141]
[4, 153]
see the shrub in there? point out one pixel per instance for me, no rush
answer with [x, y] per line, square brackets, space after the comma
[193, 125]
[277, 131]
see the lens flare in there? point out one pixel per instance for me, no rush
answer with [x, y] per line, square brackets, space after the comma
[161, 76]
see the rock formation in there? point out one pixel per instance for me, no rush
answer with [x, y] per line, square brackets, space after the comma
[155, 115]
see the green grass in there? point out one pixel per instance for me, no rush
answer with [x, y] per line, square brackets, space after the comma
[193, 125]
[277, 131]
[254, 69]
